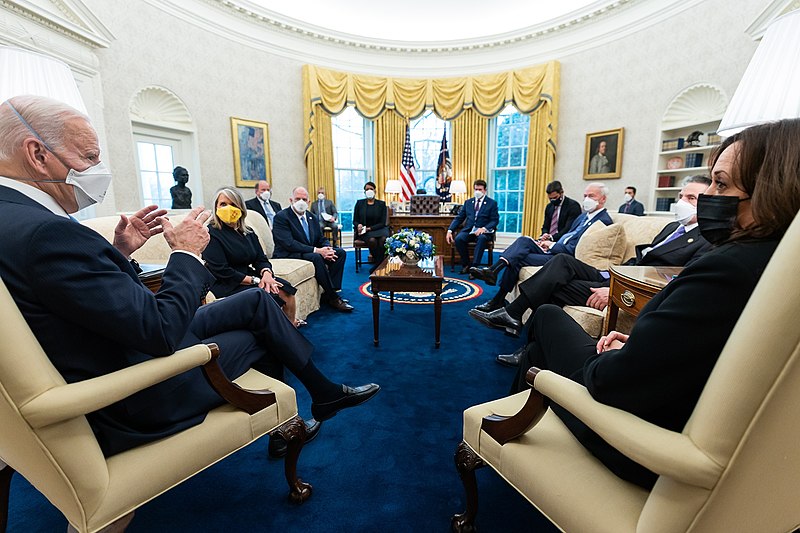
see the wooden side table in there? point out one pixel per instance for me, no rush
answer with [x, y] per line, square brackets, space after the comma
[632, 287]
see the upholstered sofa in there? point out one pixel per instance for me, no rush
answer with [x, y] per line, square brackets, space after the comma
[602, 246]
[298, 272]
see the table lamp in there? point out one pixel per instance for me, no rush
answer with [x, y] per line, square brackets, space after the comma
[770, 87]
[394, 187]
[458, 187]
[26, 72]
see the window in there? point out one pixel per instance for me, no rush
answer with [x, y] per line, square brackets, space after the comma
[426, 142]
[507, 173]
[352, 151]
[156, 160]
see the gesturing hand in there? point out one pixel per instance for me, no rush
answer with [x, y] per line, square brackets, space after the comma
[190, 235]
[133, 231]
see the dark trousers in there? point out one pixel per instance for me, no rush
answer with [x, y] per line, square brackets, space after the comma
[481, 242]
[251, 331]
[328, 273]
[522, 252]
[563, 280]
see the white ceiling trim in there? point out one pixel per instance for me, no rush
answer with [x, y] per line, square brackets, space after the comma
[76, 21]
[773, 11]
[323, 47]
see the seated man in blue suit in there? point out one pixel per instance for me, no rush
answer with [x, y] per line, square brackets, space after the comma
[480, 218]
[298, 235]
[85, 304]
[526, 251]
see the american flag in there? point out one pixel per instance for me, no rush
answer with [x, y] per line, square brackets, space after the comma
[409, 182]
[444, 157]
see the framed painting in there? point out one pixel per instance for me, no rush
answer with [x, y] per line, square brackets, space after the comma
[250, 152]
[603, 157]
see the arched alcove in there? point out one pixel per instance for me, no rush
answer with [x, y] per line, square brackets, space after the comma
[699, 103]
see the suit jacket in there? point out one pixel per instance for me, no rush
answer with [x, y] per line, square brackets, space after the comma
[488, 217]
[636, 208]
[290, 239]
[231, 256]
[569, 240]
[327, 207]
[377, 226]
[677, 252]
[658, 375]
[86, 306]
[254, 204]
[570, 210]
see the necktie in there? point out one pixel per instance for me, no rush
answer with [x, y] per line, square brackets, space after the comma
[680, 231]
[554, 220]
[304, 223]
[268, 211]
[477, 207]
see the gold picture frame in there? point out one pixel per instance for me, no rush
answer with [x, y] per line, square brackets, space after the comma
[603, 158]
[251, 162]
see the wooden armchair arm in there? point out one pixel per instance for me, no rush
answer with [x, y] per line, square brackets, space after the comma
[663, 451]
[249, 401]
[83, 397]
[506, 428]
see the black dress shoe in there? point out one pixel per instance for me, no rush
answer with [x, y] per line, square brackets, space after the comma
[498, 319]
[511, 359]
[488, 275]
[465, 270]
[278, 446]
[350, 398]
[340, 305]
[488, 306]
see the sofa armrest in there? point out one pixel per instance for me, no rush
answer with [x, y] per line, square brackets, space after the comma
[83, 397]
[663, 451]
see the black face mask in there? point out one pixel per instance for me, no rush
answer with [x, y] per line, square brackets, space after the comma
[555, 201]
[716, 216]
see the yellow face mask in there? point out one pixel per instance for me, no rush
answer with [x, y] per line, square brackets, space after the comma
[229, 214]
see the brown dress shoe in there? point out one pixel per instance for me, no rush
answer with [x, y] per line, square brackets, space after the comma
[340, 305]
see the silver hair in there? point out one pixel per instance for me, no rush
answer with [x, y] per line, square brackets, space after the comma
[600, 185]
[296, 188]
[697, 178]
[45, 115]
[236, 199]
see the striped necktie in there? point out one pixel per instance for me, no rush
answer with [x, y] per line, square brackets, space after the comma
[304, 223]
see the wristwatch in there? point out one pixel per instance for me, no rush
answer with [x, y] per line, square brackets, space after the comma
[254, 280]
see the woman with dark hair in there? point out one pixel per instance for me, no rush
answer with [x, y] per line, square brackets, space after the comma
[235, 256]
[369, 222]
[659, 370]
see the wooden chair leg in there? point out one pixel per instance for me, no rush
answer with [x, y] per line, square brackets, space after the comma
[467, 461]
[294, 432]
[5, 490]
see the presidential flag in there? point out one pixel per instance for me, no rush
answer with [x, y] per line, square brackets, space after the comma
[407, 179]
[445, 167]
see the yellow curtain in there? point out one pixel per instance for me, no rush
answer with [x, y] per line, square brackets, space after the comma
[319, 146]
[470, 138]
[532, 91]
[390, 137]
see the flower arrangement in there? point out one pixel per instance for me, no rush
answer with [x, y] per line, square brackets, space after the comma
[410, 245]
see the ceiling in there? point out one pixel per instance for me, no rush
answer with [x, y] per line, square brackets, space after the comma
[429, 21]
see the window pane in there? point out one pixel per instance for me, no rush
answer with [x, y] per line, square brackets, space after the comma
[515, 159]
[155, 165]
[350, 171]
[164, 158]
[502, 157]
[426, 142]
[147, 156]
[508, 175]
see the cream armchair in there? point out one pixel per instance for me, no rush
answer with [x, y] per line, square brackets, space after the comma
[47, 439]
[734, 467]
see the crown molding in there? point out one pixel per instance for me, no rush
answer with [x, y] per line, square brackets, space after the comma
[76, 21]
[774, 10]
[259, 28]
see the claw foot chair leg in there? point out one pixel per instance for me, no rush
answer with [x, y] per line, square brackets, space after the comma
[5, 488]
[467, 461]
[294, 431]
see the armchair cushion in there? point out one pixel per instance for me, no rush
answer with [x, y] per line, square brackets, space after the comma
[602, 246]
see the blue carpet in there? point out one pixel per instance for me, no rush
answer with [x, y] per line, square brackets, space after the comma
[387, 465]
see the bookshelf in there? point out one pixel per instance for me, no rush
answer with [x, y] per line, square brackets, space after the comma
[697, 108]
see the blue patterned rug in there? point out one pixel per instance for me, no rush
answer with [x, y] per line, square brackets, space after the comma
[454, 290]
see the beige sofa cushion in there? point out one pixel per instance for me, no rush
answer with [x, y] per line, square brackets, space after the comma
[602, 246]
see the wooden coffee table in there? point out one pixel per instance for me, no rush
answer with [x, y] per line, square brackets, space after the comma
[428, 277]
[632, 287]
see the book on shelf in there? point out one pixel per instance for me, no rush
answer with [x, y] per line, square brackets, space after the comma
[672, 144]
[694, 160]
[662, 204]
[666, 181]
[712, 138]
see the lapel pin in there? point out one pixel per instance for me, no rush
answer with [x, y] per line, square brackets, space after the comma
[690, 241]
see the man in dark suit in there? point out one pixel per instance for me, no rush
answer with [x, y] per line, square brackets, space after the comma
[567, 281]
[326, 213]
[631, 205]
[559, 214]
[297, 235]
[263, 203]
[479, 217]
[84, 302]
[526, 251]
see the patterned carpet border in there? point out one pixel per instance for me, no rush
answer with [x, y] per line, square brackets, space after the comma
[455, 290]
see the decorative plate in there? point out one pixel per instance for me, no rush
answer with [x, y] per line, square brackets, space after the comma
[675, 162]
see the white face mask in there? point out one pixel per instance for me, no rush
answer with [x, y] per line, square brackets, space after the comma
[477, 194]
[628, 198]
[369, 193]
[90, 185]
[300, 206]
[320, 196]
[684, 212]
[265, 196]
[589, 204]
